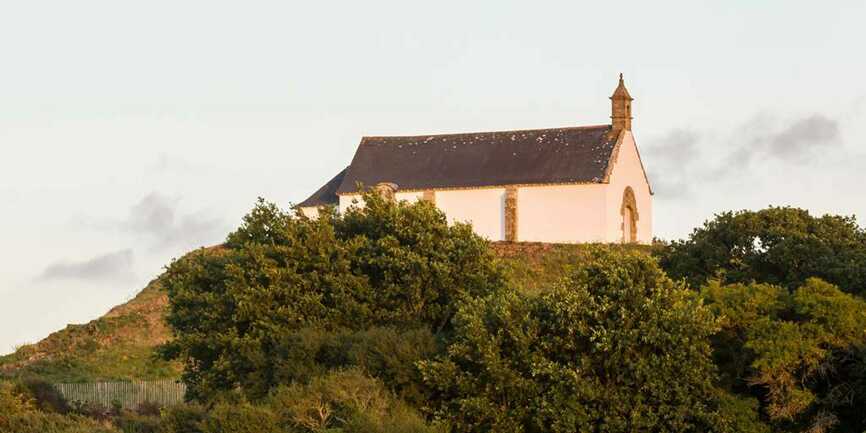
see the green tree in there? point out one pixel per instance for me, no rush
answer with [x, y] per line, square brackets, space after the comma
[239, 311]
[782, 246]
[617, 347]
[801, 353]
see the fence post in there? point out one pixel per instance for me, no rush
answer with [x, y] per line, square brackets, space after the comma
[129, 394]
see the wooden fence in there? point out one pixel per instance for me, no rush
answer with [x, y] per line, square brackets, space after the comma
[128, 394]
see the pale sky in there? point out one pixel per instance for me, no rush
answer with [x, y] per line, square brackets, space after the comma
[131, 132]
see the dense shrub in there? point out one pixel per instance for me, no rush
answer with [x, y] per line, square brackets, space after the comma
[131, 422]
[19, 414]
[12, 401]
[236, 311]
[186, 418]
[391, 356]
[240, 418]
[44, 395]
[346, 401]
[616, 347]
[386, 353]
[783, 246]
[801, 352]
[741, 413]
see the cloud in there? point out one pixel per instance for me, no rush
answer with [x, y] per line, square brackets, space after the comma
[669, 157]
[798, 141]
[803, 137]
[156, 217]
[669, 188]
[113, 266]
[153, 214]
[678, 164]
[678, 146]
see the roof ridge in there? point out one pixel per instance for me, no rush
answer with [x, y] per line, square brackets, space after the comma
[454, 134]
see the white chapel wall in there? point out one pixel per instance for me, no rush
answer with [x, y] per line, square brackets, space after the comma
[626, 172]
[347, 201]
[484, 208]
[551, 213]
[311, 212]
[561, 213]
[410, 196]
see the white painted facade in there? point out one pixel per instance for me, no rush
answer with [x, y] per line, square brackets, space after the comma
[484, 208]
[566, 213]
[310, 212]
[562, 213]
[628, 171]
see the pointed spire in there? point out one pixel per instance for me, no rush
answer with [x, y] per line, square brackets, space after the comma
[620, 108]
[621, 91]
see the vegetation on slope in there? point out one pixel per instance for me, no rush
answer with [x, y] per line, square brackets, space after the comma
[122, 344]
[392, 291]
[615, 346]
[388, 319]
[117, 346]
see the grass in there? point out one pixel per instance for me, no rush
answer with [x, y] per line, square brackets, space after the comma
[536, 267]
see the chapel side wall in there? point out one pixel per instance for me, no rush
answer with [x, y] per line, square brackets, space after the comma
[310, 212]
[346, 201]
[484, 208]
[410, 196]
[562, 213]
[627, 171]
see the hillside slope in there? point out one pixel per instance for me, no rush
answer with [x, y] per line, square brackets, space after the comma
[117, 346]
[120, 345]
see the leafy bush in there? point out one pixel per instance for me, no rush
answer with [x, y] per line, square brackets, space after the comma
[19, 414]
[44, 395]
[390, 355]
[236, 311]
[616, 347]
[347, 401]
[240, 418]
[185, 418]
[131, 422]
[783, 246]
[12, 401]
[385, 353]
[741, 413]
[803, 350]
[91, 410]
[148, 408]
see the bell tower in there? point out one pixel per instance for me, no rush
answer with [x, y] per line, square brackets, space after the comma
[620, 108]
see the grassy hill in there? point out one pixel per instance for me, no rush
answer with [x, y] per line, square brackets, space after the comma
[120, 345]
[117, 346]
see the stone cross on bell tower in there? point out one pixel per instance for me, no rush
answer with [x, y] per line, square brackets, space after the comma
[620, 109]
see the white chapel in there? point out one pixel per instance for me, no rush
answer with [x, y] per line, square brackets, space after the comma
[573, 184]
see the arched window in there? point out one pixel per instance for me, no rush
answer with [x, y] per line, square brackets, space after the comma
[629, 216]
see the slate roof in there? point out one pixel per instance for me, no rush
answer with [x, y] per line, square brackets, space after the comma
[327, 194]
[525, 157]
